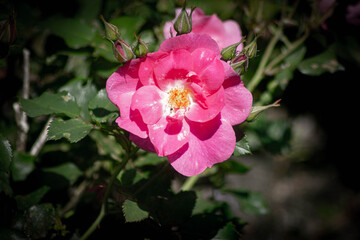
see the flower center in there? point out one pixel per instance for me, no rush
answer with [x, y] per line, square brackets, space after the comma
[179, 98]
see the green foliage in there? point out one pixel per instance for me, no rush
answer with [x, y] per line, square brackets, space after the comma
[22, 166]
[73, 130]
[72, 177]
[132, 212]
[33, 198]
[50, 103]
[80, 34]
[67, 170]
[321, 63]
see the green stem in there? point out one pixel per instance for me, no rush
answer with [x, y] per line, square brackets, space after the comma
[259, 74]
[190, 182]
[103, 209]
[290, 49]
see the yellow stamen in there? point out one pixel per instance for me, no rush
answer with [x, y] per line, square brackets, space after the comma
[179, 98]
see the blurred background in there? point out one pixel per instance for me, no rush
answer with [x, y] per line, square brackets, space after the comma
[303, 159]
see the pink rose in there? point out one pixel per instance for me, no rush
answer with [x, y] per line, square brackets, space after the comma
[224, 33]
[181, 102]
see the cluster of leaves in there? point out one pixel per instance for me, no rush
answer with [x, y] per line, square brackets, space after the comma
[57, 193]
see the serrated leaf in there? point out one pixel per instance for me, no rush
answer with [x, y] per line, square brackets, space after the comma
[24, 202]
[242, 147]
[22, 166]
[68, 170]
[50, 103]
[83, 92]
[101, 100]
[73, 129]
[101, 109]
[319, 64]
[228, 232]
[132, 212]
[75, 31]
[5, 154]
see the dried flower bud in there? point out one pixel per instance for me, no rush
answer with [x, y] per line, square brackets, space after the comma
[111, 31]
[122, 51]
[183, 23]
[140, 49]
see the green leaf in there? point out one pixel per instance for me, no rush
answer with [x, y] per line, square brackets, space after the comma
[104, 49]
[251, 202]
[128, 25]
[101, 100]
[5, 154]
[242, 147]
[82, 93]
[106, 144]
[22, 166]
[73, 130]
[319, 64]
[233, 166]
[24, 202]
[50, 103]
[68, 170]
[101, 109]
[228, 232]
[132, 212]
[75, 31]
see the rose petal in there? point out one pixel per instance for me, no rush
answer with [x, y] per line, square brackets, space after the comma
[233, 35]
[201, 111]
[172, 69]
[130, 120]
[146, 69]
[124, 80]
[190, 42]
[143, 143]
[209, 143]
[148, 100]
[168, 135]
[238, 100]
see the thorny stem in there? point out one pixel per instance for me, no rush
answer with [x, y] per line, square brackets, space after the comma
[103, 209]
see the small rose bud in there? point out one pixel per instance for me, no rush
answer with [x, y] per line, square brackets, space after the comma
[250, 50]
[240, 64]
[229, 52]
[111, 31]
[140, 49]
[122, 51]
[256, 110]
[183, 23]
